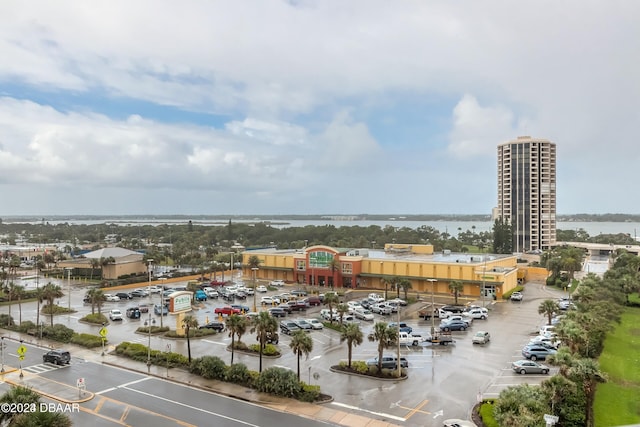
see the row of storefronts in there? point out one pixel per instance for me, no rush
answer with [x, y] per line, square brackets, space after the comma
[487, 274]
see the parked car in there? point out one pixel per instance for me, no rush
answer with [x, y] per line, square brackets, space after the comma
[312, 300]
[144, 308]
[277, 312]
[226, 310]
[456, 422]
[155, 289]
[211, 293]
[466, 319]
[303, 324]
[381, 308]
[299, 293]
[286, 307]
[546, 329]
[353, 305]
[124, 295]
[269, 301]
[375, 298]
[481, 337]
[215, 325]
[327, 315]
[277, 283]
[133, 312]
[478, 313]
[389, 362]
[200, 295]
[454, 308]
[243, 308]
[160, 309]
[288, 327]
[261, 289]
[285, 297]
[516, 296]
[59, 357]
[315, 324]
[139, 293]
[529, 367]
[454, 325]
[403, 327]
[546, 341]
[241, 295]
[297, 305]
[537, 352]
[398, 301]
[363, 314]
[111, 297]
[115, 314]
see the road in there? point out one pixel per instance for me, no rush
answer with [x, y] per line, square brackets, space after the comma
[443, 382]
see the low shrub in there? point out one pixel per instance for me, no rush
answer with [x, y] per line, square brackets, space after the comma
[87, 340]
[96, 318]
[360, 366]
[6, 320]
[192, 333]
[209, 367]
[486, 413]
[279, 381]
[56, 309]
[154, 329]
[239, 345]
[269, 349]
[309, 393]
[58, 332]
[25, 326]
[238, 373]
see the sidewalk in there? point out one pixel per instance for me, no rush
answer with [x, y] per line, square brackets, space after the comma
[72, 395]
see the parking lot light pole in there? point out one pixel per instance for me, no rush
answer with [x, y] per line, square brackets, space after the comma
[433, 307]
[149, 323]
[254, 270]
[398, 356]
[69, 289]
[2, 354]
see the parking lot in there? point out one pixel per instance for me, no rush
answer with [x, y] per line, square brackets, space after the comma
[443, 381]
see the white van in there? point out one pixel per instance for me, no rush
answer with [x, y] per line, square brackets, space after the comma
[547, 329]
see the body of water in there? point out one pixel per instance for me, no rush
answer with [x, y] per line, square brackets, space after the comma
[451, 227]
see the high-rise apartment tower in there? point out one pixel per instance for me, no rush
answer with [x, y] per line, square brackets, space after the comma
[527, 191]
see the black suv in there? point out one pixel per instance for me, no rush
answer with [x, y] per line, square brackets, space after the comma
[216, 326]
[288, 327]
[124, 295]
[59, 357]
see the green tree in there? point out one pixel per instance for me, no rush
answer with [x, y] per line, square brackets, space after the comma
[405, 285]
[93, 265]
[330, 299]
[334, 267]
[236, 326]
[96, 299]
[25, 395]
[342, 309]
[301, 343]
[189, 322]
[353, 335]
[264, 325]
[385, 337]
[586, 373]
[456, 287]
[50, 292]
[548, 308]
[521, 406]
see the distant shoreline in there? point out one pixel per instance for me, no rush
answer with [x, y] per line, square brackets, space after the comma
[282, 219]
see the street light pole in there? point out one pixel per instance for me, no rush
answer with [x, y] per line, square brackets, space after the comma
[149, 323]
[398, 355]
[2, 354]
[254, 270]
[69, 289]
[433, 308]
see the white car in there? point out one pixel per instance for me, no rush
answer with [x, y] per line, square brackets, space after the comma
[277, 283]
[115, 314]
[398, 301]
[315, 324]
[269, 301]
[363, 314]
[111, 297]
[478, 313]
[327, 315]
[376, 298]
[381, 309]
[261, 289]
[547, 341]
[353, 306]
[155, 289]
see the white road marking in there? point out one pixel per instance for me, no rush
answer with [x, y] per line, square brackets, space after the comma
[106, 390]
[134, 382]
[380, 414]
[195, 408]
[215, 342]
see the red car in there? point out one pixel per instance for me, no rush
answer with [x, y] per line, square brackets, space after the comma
[217, 283]
[226, 311]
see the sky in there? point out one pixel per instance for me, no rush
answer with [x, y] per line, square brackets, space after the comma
[312, 107]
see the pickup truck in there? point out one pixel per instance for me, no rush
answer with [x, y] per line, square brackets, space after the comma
[411, 339]
[226, 311]
[427, 311]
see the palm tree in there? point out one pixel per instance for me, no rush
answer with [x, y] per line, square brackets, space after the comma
[20, 294]
[405, 285]
[301, 343]
[352, 334]
[50, 292]
[10, 290]
[25, 395]
[236, 326]
[385, 336]
[93, 264]
[264, 324]
[96, 298]
[330, 299]
[456, 287]
[389, 283]
[586, 372]
[189, 322]
[342, 309]
[548, 307]
[334, 266]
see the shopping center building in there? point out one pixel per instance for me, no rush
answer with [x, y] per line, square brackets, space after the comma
[373, 268]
